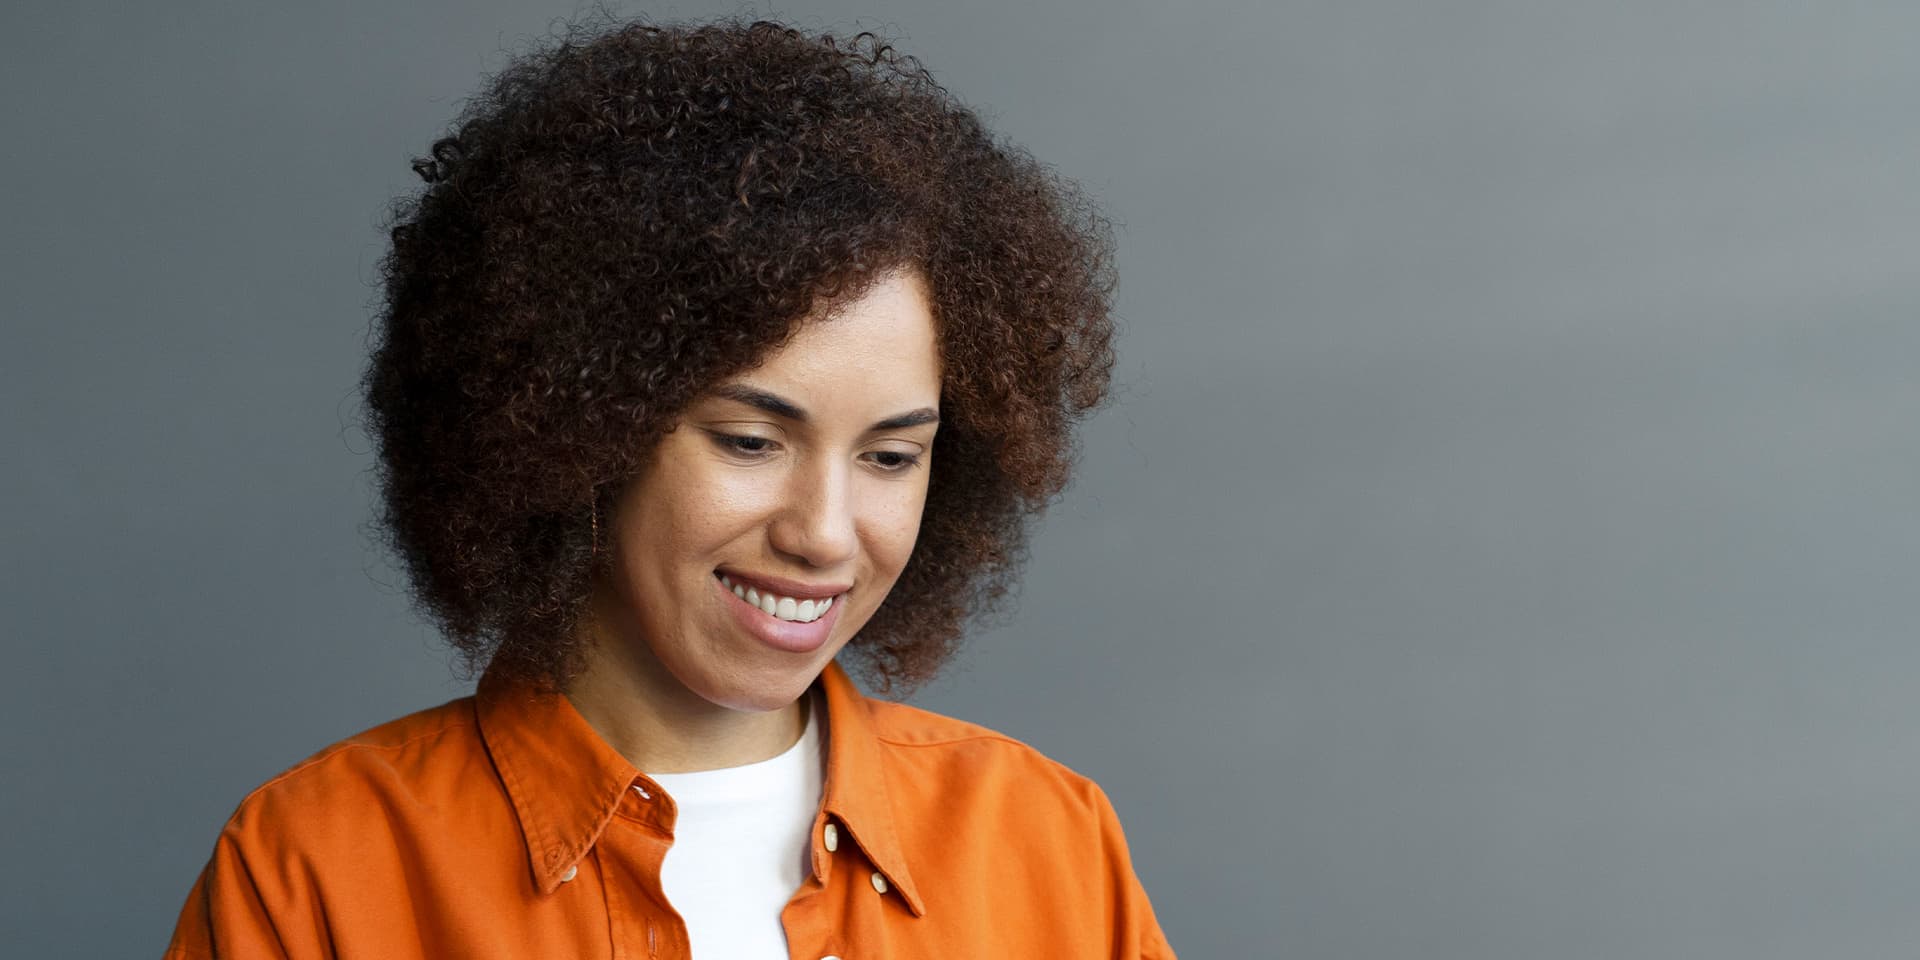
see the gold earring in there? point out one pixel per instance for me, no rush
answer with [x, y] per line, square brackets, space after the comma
[596, 528]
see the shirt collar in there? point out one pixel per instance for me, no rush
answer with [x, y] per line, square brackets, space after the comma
[855, 792]
[565, 781]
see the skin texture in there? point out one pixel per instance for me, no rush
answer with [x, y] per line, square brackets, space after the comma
[618, 222]
[673, 681]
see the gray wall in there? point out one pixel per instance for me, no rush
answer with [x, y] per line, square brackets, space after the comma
[1501, 546]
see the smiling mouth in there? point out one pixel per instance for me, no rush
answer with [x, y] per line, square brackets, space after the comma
[790, 609]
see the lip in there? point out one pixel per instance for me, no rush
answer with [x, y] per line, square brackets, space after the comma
[781, 586]
[785, 635]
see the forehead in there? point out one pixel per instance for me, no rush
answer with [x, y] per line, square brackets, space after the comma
[881, 348]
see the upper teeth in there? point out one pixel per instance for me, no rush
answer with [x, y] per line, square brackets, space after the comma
[774, 605]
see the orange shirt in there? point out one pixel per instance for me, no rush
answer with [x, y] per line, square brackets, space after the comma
[502, 825]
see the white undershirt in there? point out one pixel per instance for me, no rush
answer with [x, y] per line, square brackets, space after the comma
[741, 847]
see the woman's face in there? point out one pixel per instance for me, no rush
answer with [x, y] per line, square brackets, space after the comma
[801, 482]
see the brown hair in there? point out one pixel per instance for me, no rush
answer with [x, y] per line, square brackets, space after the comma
[622, 219]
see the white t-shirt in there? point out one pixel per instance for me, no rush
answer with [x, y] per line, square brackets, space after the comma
[741, 847]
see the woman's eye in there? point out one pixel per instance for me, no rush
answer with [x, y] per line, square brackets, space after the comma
[893, 461]
[743, 443]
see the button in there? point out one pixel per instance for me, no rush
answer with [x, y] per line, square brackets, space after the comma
[829, 957]
[831, 835]
[570, 874]
[879, 882]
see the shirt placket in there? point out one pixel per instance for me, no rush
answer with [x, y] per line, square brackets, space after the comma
[808, 917]
[840, 911]
[641, 923]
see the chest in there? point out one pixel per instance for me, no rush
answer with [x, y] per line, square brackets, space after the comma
[986, 902]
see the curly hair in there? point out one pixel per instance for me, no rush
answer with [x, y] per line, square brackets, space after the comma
[623, 219]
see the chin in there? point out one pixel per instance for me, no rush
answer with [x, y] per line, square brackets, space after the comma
[759, 698]
[755, 690]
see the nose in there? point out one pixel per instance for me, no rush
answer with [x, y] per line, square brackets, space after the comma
[815, 526]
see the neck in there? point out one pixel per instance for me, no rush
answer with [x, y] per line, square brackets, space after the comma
[630, 698]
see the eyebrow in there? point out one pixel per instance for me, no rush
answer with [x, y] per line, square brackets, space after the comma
[782, 407]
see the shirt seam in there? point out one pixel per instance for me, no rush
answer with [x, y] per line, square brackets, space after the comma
[1072, 775]
[1000, 737]
[340, 748]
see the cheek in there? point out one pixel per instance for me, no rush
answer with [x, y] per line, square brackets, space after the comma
[684, 515]
[893, 525]
[714, 514]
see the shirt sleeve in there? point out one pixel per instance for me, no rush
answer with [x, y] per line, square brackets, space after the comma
[225, 915]
[1137, 931]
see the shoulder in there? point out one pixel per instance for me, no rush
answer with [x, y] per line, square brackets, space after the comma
[904, 729]
[949, 763]
[415, 759]
[316, 837]
[969, 800]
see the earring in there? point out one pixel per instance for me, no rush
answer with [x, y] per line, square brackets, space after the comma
[596, 528]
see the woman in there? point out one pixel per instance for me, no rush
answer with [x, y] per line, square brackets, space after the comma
[708, 355]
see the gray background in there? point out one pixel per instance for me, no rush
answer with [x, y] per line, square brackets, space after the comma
[1501, 545]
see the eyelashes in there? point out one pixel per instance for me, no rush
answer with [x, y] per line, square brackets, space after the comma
[752, 446]
[901, 462]
[751, 449]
